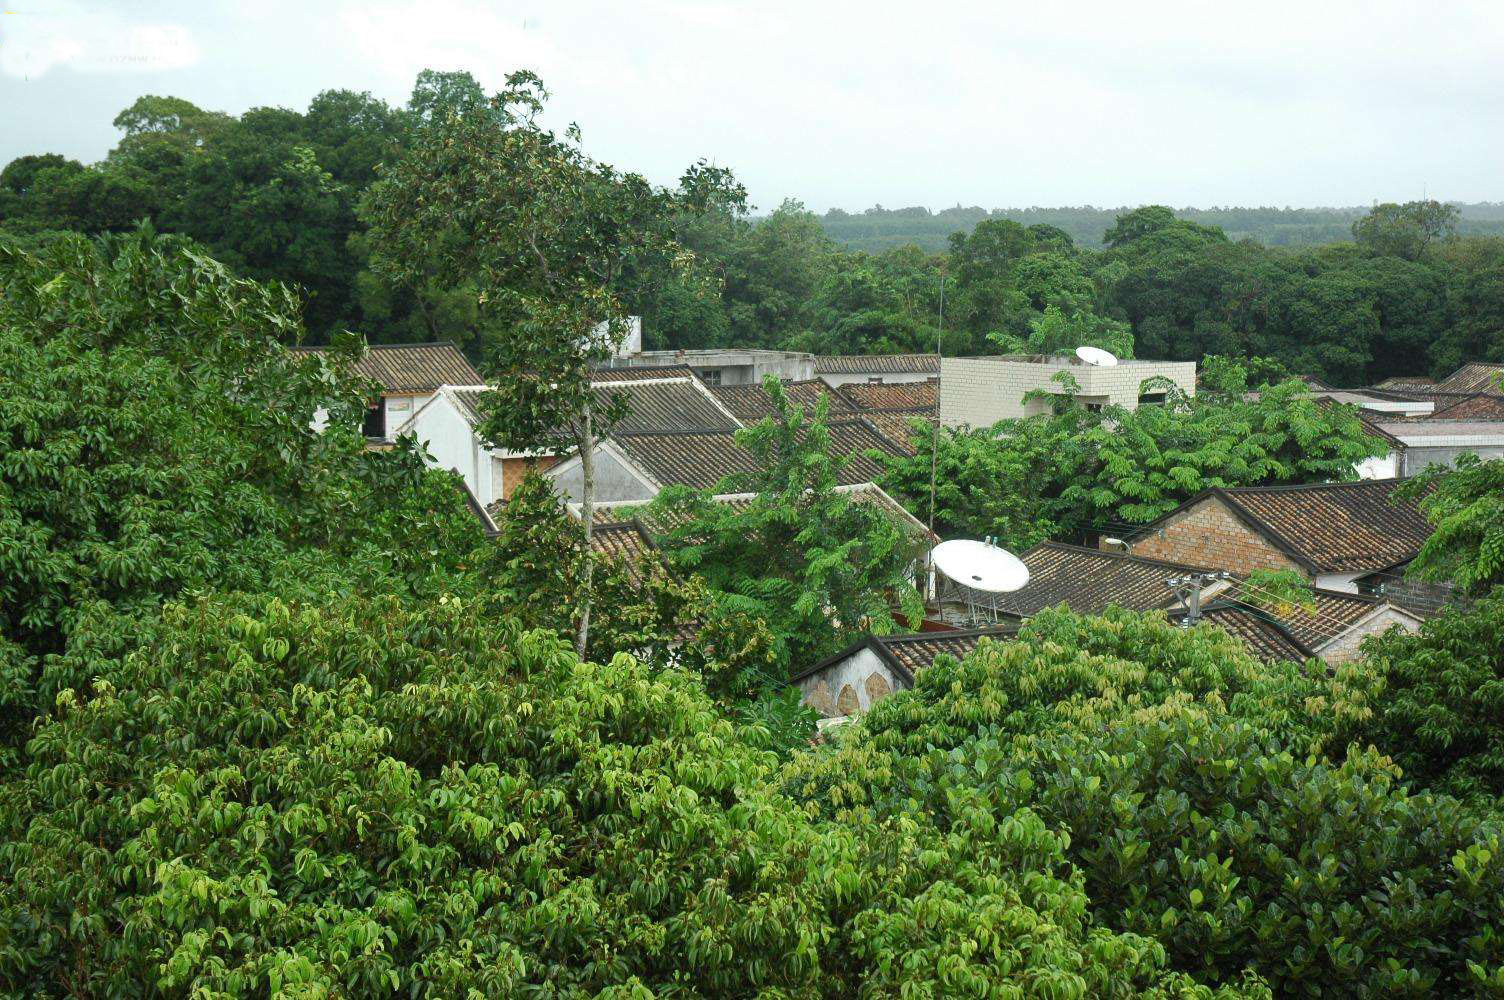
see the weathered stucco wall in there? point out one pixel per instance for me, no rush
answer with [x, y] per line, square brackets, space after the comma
[849, 686]
[613, 480]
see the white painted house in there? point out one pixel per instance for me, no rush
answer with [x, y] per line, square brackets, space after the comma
[407, 376]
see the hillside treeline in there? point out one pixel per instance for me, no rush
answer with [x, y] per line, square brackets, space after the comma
[876, 229]
[282, 194]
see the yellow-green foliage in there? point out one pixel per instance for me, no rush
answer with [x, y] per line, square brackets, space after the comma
[367, 798]
[1181, 769]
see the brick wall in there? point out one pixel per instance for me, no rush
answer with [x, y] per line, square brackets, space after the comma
[1345, 646]
[1210, 535]
[513, 469]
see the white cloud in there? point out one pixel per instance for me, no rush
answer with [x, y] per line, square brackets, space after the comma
[851, 102]
[43, 37]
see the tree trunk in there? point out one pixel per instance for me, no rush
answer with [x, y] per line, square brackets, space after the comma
[587, 515]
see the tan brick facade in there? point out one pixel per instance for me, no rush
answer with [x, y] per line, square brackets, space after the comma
[1208, 534]
[514, 469]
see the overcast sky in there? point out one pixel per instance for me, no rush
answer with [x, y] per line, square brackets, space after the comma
[849, 104]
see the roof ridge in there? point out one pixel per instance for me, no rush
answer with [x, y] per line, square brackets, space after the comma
[964, 633]
[1262, 615]
[1293, 487]
[1128, 556]
[902, 354]
[679, 432]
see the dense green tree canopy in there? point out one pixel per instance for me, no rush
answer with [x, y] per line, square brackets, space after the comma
[278, 719]
[158, 442]
[1349, 295]
[1199, 813]
[1466, 505]
[1076, 473]
[1440, 705]
[817, 566]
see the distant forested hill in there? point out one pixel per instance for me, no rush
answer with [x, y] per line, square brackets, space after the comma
[879, 228]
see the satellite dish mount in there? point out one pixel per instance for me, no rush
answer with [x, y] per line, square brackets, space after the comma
[1097, 357]
[979, 568]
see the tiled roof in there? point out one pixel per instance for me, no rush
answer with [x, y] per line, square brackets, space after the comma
[656, 522]
[752, 403]
[1475, 406]
[1332, 527]
[413, 367]
[1440, 399]
[1402, 382]
[1268, 640]
[895, 425]
[1476, 377]
[1333, 615]
[909, 654]
[893, 395]
[686, 458]
[877, 364]
[1370, 420]
[702, 459]
[469, 403]
[1420, 433]
[1089, 580]
[641, 373]
[674, 405]
[625, 543]
[917, 652]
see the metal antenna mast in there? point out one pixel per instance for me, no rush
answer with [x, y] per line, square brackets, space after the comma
[935, 430]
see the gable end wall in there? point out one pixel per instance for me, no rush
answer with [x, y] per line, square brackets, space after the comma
[1208, 534]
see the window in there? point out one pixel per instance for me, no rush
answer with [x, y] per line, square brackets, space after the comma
[1152, 399]
[710, 376]
[375, 422]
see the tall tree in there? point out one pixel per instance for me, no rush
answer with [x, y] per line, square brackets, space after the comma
[489, 196]
[1408, 230]
[817, 566]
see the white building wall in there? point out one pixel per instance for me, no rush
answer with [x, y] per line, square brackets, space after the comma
[452, 444]
[1344, 582]
[1383, 467]
[613, 480]
[1419, 457]
[399, 408]
[978, 392]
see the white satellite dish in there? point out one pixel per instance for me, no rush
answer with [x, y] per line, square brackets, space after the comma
[1097, 356]
[980, 566]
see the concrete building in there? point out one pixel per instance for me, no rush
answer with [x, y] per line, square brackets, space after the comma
[978, 392]
[725, 366]
[1418, 444]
